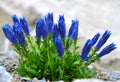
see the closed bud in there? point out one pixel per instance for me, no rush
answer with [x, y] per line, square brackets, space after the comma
[8, 31]
[49, 21]
[59, 46]
[86, 49]
[103, 39]
[41, 29]
[55, 31]
[62, 26]
[73, 32]
[107, 49]
[95, 38]
[24, 25]
[19, 33]
[15, 18]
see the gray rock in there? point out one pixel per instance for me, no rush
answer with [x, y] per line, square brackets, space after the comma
[23, 79]
[88, 80]
[43, 80]
[112, 75]
[4, 75]
[35, 80]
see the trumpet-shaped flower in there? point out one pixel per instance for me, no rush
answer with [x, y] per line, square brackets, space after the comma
[62, 26]
[107, 49]
[73, 32]
[41, 29]
[49, 21]
[38, 29]
[103, 39]
[15, 18]
[55, 31]
[86, 49]
[24, 25]
[8, 31]
[95, 38]
[19, 33]
[59, 46]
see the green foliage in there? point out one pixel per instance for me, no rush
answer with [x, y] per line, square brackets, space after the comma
[39, 58]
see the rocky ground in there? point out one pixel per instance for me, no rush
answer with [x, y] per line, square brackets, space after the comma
[8, 63]
[104, 14]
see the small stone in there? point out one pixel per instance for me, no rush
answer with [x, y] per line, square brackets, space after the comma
[23, 79]
[43, 80]
[35, 80]
[4, 75]
[112, 75]
[88, 80]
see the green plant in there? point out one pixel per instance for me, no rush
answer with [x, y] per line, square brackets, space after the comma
[52, 54]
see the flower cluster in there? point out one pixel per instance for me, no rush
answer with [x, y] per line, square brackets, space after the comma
[90, 43]
[44, 26]
[52, 53]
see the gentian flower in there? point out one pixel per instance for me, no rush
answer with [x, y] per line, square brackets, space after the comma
[95, 38]
[15, 18]
[24, 25]
[41, 29]
[62, 26]
[38, 29]
[103, 39]
[19, 33]
[8, 31]
[55, 31]
[86, 49]
[107, 49]
[59, 46]
[49, 21]
[73, 32]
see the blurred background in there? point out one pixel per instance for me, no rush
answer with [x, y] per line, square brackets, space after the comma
[93, 15]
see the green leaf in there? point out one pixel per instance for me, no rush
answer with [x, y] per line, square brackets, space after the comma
[30, 70]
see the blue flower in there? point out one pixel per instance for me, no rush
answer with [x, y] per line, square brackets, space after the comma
[73, 32]
[59, 46]
[15, 18]
[38, 29]
[24, 25]
[103, 39]
[107, 49]
[62, 26]
[8, 31]
[41, 29]
[49, 21]
[95, 38]
[19, 33]
[86, 49]
[55, 31]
